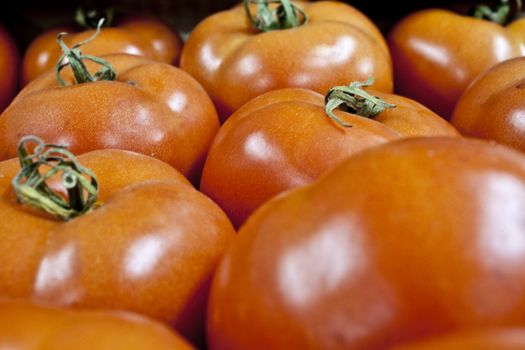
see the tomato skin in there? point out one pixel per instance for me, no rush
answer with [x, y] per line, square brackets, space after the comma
[154, 235]
[482, 339]
[362, 259]
[9, 66]
[437, 53]
[493, 106]
[152, 108]
[284, 139]
[140, 36]
[235, 64]
[25, 326]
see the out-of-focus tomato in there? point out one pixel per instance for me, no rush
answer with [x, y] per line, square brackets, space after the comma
[437, 53]
[30, 327]
[150, 245]
[493, 107]
[406, 240]
[481, 339]
[146, 37]
[284, 139]
[235, 62]
[9, 64]
[137, 104]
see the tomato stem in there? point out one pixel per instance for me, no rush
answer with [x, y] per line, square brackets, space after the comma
[500, 13]
[75, 59]
[88, 18]
[286, 15]
[48, 161]
[354, 99]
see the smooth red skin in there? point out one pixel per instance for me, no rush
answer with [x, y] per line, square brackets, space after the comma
[302, 143]
[493, 107]
[150, 213]
[235, 63]
[9, 66]
[481, 339]
[278, 141]
[140, 36]
[25, 326]
[163, 113]
[437, 54]
[403, 241]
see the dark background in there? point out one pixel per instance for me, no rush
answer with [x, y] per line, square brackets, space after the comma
[27, 18]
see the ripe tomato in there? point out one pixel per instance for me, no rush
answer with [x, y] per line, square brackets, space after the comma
[284, 139]
[9, 64]
[493, 106]
[405, 240]
[481, 339]
[151, 108]
[437, 53]
[235, 62]
[146, 37]
[151, 247]
[24, 326]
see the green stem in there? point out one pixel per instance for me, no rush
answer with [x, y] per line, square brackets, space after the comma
[75, 59]
[47, 161]
[89, 17]
[286, 15]
[354, 99]
[501, 13]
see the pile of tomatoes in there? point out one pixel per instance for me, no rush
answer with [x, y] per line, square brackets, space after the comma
[287, 177]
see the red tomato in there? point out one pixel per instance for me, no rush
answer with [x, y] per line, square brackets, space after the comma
[481, 339]
[406, 240]
[493, 107]
[30, 327]
[9, 64]
[140, 36]
[236, 63]
[284, 139]
[151, 108]
[437, 53]
[151, 246]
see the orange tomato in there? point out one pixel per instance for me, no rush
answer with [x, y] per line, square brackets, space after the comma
[142, 36]
[9, 66]
[151, 247]
[24, 326]
[437, 53]
[493, 106]
[151, 108]
[402, 241]
[235, 62]
[284, 139]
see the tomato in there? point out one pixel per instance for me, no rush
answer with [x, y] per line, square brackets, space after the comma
[150, 247]
[284, 139]
[437, 53]
[482, 339]
[151, 108]
[235, 62]
[146, 37]
[402, 241]
[24, 326]
[493, 107]
[9, 65]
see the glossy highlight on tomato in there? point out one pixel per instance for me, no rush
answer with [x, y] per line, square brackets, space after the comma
[410, 239]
